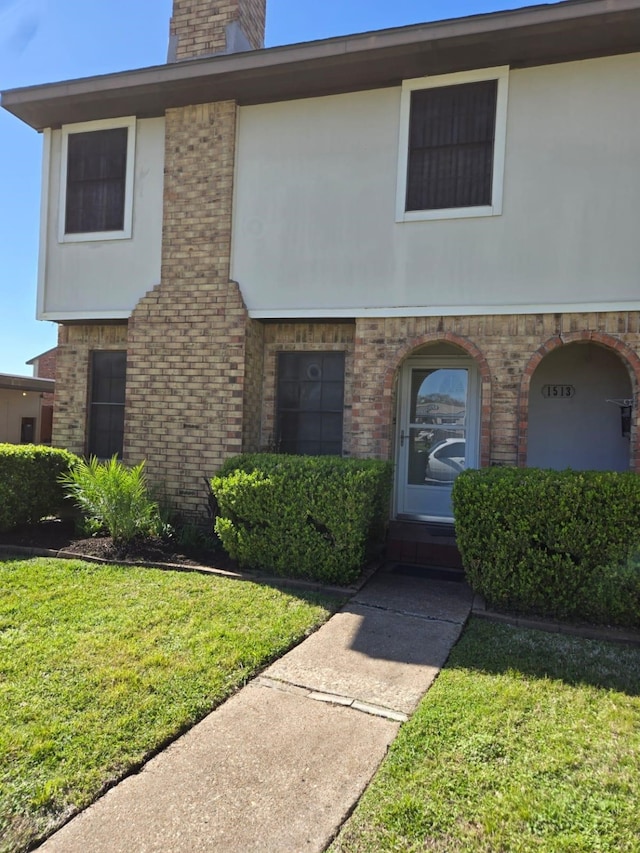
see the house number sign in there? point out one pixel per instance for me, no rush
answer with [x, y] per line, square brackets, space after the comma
[558, 391]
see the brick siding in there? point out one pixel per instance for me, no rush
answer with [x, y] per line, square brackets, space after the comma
[75, 343]
[44, 367]
[202, 376]
[187, 380]
[507, 349]
[199, 26]
[304, 337]
[254, 368]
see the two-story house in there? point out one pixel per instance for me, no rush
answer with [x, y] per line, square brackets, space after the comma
[417, 244]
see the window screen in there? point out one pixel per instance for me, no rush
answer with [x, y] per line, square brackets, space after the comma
[310, 402]
[96, 179]
[451, 144]
[106, 405]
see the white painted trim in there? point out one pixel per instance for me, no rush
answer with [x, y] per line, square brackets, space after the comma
[409, 311]
[44, 222]
[447, 212]
[441, 310]
[499, 73]
[105, 124]
[88, 316]
[234, 197]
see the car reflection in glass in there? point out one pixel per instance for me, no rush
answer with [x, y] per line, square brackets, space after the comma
[445, 461]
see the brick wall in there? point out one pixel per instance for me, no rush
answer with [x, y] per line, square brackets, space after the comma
[75, 343]
[202, 376]
[252, 19]
[507, 350]
[254, 368]
[189, 337]
[44, 367]
[199, 26]
[625, 344]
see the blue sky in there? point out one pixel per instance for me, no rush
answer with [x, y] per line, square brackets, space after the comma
[43, 41]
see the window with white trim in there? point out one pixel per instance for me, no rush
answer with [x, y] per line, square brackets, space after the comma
[96, 181]
[452, 144]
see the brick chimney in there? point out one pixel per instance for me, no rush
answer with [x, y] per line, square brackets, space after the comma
[208, 27]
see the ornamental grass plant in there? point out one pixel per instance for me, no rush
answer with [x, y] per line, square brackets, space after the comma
[113, 497]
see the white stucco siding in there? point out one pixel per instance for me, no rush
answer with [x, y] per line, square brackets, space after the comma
[314, 213]
[311, 176]
[104, 278]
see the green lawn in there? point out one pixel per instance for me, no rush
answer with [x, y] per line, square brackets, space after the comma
[527, 742]
[101, 665]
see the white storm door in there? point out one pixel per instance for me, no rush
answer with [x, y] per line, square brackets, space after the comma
[438, 434]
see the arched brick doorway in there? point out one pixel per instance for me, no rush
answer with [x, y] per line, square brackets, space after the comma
[570, 412]
[442, 389]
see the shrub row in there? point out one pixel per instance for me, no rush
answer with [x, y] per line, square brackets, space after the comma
[563, 544]
[301, 516]
[29, 482]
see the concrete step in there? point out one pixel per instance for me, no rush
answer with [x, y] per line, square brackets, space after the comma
[422, 543]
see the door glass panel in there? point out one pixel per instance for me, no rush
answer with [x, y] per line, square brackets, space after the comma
[437, 427]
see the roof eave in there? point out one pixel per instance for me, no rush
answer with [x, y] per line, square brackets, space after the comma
[577, 29]
[26, 383]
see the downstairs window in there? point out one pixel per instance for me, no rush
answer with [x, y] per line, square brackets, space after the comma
[106, 403]
[310, 402]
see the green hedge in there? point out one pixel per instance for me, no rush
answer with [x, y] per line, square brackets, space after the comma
[557, 543]
[29, 487]
[301, 516]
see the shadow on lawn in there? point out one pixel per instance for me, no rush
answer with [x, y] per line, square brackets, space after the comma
[496, 649]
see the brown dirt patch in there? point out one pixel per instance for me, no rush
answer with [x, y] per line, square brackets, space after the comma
[61, 535]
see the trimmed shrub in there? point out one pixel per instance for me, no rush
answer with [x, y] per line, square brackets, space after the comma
[301, 516]
[113, 497]
[611, 595]
[29, 486]
[555, 543]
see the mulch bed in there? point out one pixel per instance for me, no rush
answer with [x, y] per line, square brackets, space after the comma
[61, 535]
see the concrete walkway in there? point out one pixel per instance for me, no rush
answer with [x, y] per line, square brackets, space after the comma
[281, 764]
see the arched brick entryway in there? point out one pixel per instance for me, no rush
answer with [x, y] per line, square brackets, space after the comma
[468, 347]
[628, 357]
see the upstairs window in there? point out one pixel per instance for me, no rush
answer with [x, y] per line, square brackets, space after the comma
[451, 136]
[310, 402]
[452, 146]
[97, 180]
[106, 403]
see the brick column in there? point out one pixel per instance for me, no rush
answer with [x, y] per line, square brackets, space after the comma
[204, 27]
[188, 337]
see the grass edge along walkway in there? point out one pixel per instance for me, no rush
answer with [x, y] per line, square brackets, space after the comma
[101, 666]
[527, 741]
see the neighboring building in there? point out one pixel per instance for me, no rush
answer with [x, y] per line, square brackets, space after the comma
[21, 405]
[418, 244]
[44, 367]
